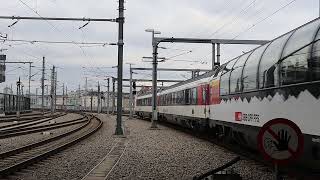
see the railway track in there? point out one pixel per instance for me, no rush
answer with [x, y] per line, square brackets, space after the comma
[25, 118]
[14, 160]
[31, 122]
[18, 131]
[24, 115]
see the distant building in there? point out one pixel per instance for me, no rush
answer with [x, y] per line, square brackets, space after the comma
[7, 90]
[80, 101]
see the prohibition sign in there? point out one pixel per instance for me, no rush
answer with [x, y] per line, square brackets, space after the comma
[280, 141]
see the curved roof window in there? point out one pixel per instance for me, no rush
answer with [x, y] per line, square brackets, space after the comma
[235, 77]
[302, 37]
[268, 68]
[315, 60]
[224, 79]
[296, 64]
[249, 77]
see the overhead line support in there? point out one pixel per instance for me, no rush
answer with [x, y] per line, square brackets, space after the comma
[57, 18]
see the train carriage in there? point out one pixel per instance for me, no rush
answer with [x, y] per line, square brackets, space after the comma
[280, 79]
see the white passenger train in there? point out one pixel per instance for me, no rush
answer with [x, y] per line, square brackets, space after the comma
[280, 79]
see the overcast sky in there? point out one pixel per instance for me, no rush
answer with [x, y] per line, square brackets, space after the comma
[239, 19]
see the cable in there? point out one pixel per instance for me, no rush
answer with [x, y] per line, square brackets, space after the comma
[57, 42]
[227, 23]
[55, 28]
[227, 5]
[282, 7]
[275, 12]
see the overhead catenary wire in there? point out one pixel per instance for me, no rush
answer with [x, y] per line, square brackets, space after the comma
[229, 22]
[58, 42]
[258, 22]
[55, 28]
[265, 18]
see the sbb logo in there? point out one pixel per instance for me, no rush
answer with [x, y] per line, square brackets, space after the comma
[238, 116]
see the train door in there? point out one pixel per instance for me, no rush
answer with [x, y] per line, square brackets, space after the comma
[203, 101]
[205, 97]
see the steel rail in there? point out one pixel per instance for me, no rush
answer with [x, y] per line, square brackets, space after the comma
[36, 156]
[22, 118]
[22, 115]
[34, 121]
[29, 130]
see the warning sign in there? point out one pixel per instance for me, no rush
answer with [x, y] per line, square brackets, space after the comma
[280, 140]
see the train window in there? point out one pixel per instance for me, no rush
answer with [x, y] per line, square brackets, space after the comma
[187, 96]
[301, 37]
[224, 79]
[315, 60]
[181, 97]
[235, 77]
[205, 94]
[162, 100]
[268, 69]
[177, 97]
[194, 96]
[249, 77]
[294, 68]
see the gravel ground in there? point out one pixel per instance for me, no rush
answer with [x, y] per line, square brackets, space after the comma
[151, 154]
[170, 154]
[18, 141]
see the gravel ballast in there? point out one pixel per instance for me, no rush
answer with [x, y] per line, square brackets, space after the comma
[150, 154]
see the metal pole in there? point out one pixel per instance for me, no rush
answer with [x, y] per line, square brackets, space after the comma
[154, 84]
[63, 96]
[66, 96]
[113, 95]
[119, 130]
[42, 85]
[79, 98]
[29, 78]
[131, 95]
[133, 103]
[108, 92]
[99, 96]
[218, 54]
[276, 174]
[18, 98]
[85, 96]
[47, 99]
[213, 55]
[52, 89]
[91, 100]
[56, 18]
[36, 98]
[55, 90]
